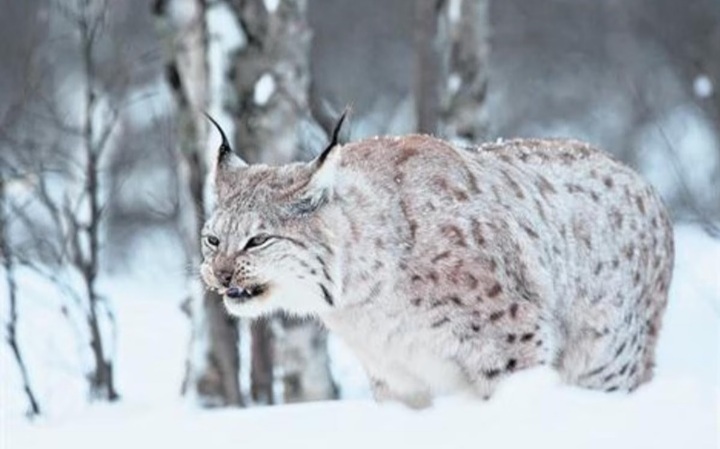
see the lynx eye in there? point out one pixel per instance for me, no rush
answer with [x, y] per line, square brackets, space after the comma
[212, 240]
[257, 241]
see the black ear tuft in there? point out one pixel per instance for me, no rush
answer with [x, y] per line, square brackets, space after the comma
[225, 149]
[335, 136]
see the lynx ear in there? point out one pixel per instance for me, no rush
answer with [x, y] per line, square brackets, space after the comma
[227, 163]
[320, 187]
[320, 160]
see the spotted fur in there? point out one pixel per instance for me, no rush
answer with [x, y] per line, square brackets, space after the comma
[448, 268]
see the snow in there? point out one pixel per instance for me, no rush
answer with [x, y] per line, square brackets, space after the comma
[271, 5]
[264, 88]
[454, 83]
[703, 86]
[524, 413]
[679, 408]
[455, 10]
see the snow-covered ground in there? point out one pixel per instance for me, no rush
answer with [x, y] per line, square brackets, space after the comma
[679, 409]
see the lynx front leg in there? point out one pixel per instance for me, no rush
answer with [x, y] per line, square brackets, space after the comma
[392, 382]
[418, 399]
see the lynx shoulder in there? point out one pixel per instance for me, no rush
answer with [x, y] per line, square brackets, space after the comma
[447, 269]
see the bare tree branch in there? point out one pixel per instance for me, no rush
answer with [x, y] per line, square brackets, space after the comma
[11, 326]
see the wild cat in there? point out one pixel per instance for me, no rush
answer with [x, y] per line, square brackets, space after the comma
[446, 268]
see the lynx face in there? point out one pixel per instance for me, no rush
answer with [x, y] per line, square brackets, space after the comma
[263, 247]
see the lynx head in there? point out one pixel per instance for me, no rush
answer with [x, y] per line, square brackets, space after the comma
[265, 246]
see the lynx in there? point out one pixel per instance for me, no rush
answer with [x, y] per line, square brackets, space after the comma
[446, 268]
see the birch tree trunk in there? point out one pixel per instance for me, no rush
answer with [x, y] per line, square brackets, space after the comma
[271, 78]
[213, 363]
[432, 46]
[464, 111]
[451, 71]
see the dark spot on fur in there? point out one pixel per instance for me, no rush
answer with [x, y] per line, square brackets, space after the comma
[598, 268]
[326, 294]
[574, 188]
[475, 327]
[544, 186]
[529, 231]
[608, 182]
[477, 233]
[496, 315]
[416, 301]
[493, 265]
[460, 195]
[404, 154]
[441, 256]
[619, 350]
[640, 204]
[629, 251]
[511, 338]
[624, 369]
[594, 372]
[513, 310]
[439, 323]
[491, 374]
[471, 281]
[455, 235]
[652, 330]
[513, 185]
[611, 389]
[540, 210]
[455, 299]
[527, 337]
[511, 364]
[433, 277]
[617, 219]
[494, 290]
[416, 278]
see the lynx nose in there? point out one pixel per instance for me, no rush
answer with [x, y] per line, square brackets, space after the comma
[224, 277]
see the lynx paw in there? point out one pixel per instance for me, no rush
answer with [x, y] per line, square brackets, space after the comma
[416, 400]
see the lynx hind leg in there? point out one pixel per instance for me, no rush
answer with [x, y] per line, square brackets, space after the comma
[617, 356]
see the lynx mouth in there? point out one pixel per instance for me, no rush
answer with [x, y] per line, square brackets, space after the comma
[242, 295]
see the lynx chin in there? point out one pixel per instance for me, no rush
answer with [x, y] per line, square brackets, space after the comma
[447, 269]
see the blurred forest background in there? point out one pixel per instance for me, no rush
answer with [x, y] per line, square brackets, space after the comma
[104, 154]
